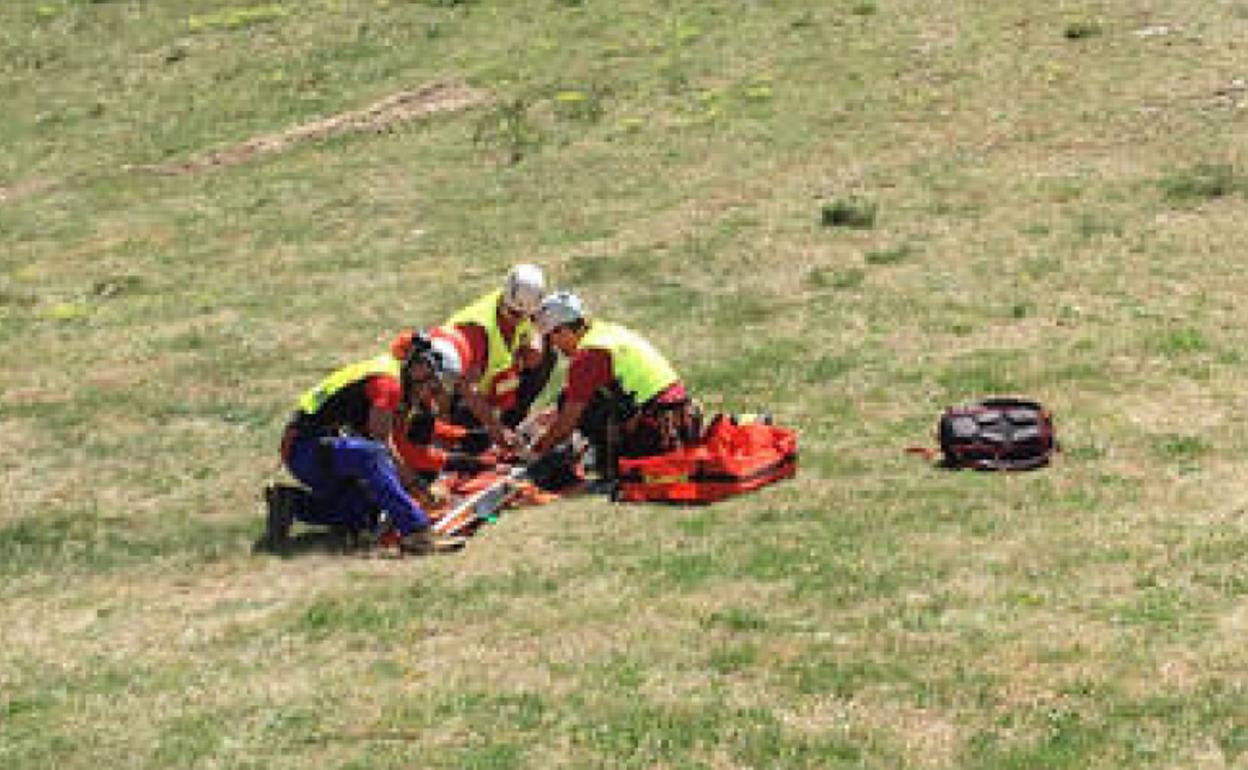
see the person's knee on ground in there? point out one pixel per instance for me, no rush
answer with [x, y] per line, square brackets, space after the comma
[368, 466]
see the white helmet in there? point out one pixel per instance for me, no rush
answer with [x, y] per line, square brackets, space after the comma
[562, 307]
[445, 361]
[524, 289]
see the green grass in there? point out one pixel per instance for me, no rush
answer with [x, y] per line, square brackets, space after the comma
[852, 214]
[1201, 182]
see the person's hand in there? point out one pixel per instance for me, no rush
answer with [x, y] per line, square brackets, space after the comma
[425, 496]
[505, 438]
[525, 454]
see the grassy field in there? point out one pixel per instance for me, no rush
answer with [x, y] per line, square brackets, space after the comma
[852, 212]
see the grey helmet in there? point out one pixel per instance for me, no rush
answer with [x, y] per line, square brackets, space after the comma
[561, 307]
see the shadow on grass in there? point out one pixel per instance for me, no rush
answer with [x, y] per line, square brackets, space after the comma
[319, 541]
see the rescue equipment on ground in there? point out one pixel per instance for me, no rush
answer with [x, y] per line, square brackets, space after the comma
[736, 454]
[995, 434]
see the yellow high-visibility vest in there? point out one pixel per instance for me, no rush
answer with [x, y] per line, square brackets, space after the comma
[641, 369]
[315, 397]
[484, 313]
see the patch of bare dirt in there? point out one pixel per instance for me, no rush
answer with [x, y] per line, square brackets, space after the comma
[394, 110]
[23, 189]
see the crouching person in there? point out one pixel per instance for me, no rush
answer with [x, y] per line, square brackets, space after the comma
[338, 444]
[621, 393]
[506, 363]
[424, 439]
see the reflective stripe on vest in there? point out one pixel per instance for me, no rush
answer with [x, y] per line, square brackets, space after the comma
[505, 392]
[641, 370]
[484, 313]
[314, 398]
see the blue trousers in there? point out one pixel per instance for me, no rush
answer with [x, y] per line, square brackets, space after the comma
[351, 478]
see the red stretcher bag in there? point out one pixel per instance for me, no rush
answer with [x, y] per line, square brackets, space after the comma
[730, 460]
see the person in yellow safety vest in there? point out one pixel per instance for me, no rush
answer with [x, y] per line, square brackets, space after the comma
[338, 445]
[621, 393]
[507, 365]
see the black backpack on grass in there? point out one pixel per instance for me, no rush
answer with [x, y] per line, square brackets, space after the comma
[997, 434]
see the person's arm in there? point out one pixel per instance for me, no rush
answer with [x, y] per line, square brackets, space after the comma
[481, 409]
[418, 456]
[383, 395]
[587, 371]
[477, 402]
[448, 432]
[565, 423]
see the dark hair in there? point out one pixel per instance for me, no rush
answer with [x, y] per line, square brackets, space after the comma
[419, 352]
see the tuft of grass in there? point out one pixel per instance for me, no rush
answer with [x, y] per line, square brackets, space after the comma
[509, 130]
[847, 279]
[830, 366]
[853, 212]
[733, 658]
[823, 672]
[186, 739]
[1178, 447]
[1203, 181]
[805, 20]
[1089, 226]
[981, 375]
[1082, 30]
[118, 286]
[833, 278]
[80, 542]
[1179, 342]
[1059, 738]
[684, 570]
[581, 104]
[890, 256]
[736, 619]
[328, 617]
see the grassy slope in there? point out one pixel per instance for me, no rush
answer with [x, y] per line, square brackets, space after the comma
[1044, 226]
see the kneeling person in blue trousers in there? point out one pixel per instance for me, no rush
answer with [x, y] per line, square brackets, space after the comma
[338, 445]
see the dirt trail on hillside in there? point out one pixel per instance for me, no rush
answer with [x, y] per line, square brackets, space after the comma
[392, 111]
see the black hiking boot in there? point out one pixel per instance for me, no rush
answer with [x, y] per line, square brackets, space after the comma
[280, 501]
[424, 542]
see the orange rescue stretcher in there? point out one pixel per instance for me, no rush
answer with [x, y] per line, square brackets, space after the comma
[731, 459]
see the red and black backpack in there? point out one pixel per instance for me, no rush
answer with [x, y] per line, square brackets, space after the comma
[997, 434]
